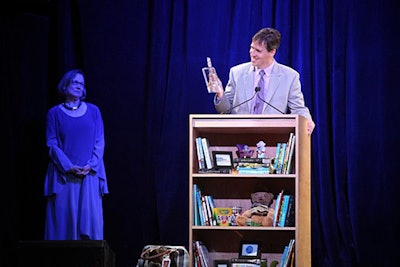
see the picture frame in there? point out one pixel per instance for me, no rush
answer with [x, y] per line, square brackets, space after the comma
[222, 263]
[249, 250]
[223, 159]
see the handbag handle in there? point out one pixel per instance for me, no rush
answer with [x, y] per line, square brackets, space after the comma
[162, 253]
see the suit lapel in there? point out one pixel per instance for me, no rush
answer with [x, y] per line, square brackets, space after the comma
[273, 83]
[249, 83]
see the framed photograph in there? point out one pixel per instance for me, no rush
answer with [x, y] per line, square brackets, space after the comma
[222, 263]
[249, 250]
[223, 159]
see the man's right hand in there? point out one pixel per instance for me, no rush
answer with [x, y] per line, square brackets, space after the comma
[217, 88]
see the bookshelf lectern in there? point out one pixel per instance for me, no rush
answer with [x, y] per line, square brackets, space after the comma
[224, 132]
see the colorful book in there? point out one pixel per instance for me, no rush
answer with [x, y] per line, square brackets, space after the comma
[203, 254]
[212, 206]
[281, 157]
[209, 210]
[284, 255]
[280, 211]
[200, 207]
[285, 205]
[205, 212]
[277, 208]
[285, 161]
[289, 254]
[196, 218]
[276, 162]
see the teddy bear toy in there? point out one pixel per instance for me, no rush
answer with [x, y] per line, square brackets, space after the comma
[260, 214]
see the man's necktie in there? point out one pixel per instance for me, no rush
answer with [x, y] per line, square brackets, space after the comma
[258, 103]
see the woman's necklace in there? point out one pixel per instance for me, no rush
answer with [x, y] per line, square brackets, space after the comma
[72, 108]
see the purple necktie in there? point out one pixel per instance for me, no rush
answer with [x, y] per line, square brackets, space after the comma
[259, 104]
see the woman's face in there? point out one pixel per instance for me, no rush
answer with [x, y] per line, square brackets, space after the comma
[76, 87]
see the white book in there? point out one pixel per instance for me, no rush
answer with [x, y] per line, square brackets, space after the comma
[200, 154]
[290, 158]
[207, 154]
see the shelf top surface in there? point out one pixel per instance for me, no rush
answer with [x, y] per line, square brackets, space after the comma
[239, 122]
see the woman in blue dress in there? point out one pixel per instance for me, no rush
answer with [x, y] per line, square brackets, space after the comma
[76, 179]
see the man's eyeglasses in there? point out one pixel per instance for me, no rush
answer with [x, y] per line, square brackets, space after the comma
[78, 83]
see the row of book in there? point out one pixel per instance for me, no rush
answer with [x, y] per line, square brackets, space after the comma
[207, 214]
[287, 259]
[201, 255]
[281, 164]
[204, 156]
[203, 208]
[284, 211]
[284, 155]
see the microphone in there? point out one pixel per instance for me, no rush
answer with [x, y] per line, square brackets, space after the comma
[257, 89]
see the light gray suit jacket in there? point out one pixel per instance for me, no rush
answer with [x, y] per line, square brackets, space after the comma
[284, 92]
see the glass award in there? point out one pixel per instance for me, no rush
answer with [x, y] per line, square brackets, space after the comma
[210, 77]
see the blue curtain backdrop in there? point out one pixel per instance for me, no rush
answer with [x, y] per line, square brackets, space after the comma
[143, 62]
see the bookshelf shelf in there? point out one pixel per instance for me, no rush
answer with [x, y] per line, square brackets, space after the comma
[223, 133]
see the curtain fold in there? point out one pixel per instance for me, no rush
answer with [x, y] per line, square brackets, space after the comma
[143, 63]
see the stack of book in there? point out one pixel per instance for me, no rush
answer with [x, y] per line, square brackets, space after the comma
[252, 165]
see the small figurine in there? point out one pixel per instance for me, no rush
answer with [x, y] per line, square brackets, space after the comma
[244, 151]
[261, 149]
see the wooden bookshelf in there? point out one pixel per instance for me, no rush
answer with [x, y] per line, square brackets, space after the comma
[223, 133]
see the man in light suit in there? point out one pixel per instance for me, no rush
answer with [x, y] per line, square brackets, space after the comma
[277, 90]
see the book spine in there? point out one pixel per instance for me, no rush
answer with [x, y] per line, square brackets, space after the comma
[196, 255]
[290, 253]
[291, 152]
[281, 158]
[253, 171]
[284, 255]
[200, 153]
[251, 160]
[285, 205]
[212, 206]
[196, 219]
[285, 162]
[209, 210]
[203, 252]
[205, 213]
[207, 154]
[276, 162]
[277, 208]
[200, 207]
[290, 214]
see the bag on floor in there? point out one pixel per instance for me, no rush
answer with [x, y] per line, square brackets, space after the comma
[163, 256]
